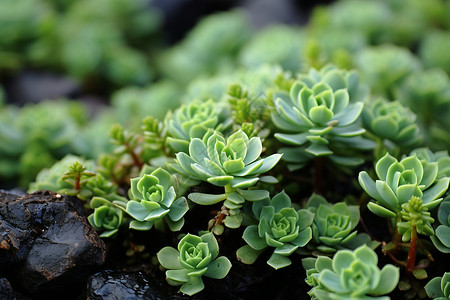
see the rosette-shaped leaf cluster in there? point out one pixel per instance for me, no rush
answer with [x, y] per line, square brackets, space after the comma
[414, 214]
[195, 257]
[193, 121]
[391, 121]
[337, 79]
[440, 157]
[106, 217]
[438, 288]
[399, 181]
[154, 199]
[427, 93]
[441, 239]
[318, 120]
[350, 275]
[384, 67]
[280, 226]
[234, 161]
[333, 226]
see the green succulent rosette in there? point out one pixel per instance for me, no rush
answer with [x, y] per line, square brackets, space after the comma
[399, 181]
[350, 275]
[106, 217]
[196, 257]
[384, 67]
[391, 121]
[281, 227]
[333, 226]
[438, 288]
[337, 79]
[441, 239]
[154, 199]
[193, 120]
[440, 157]
[234, 164]
[234, 161]
[319, 121]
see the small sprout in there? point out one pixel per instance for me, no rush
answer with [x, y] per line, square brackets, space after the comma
[414, 214]
[196, 257]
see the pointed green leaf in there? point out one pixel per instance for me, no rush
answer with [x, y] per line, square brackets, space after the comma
[206, 199]
[277, 261]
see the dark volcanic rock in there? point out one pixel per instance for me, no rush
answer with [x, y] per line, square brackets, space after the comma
[109, 285]
[46, 243]
[7, 292]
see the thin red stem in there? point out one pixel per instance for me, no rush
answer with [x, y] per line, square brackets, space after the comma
[411, 263]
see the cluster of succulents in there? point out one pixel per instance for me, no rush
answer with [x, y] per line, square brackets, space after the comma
[269, 151]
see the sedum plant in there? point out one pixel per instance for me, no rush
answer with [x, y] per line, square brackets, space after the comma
[280, 226]
[415, 220]
[196, 257]
[438, 288]
[399, 181]
[333, 226]
[391, 121]
[441, 239]
[350, 275]
[194, 120]
[154, 199]
[317, 119]
[106, 217]
[233, 163]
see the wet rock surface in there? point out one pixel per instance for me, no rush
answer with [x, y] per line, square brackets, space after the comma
[109, 285]
[46, 244]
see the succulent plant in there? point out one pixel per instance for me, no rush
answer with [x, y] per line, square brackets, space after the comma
[196, 257]
[318, 118]
[384, 67]
[264, 48]
[427, 94]
[414, 214]
[438, 288]
[337, 79]
[106, 217]
[193, 121]
[391, 121]
[441, 239]
[281, 227]
[440, 157]
[350, 275]
[431, 50]
[399, 181]
[154, 199]
[234, 161]
[333, 225]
